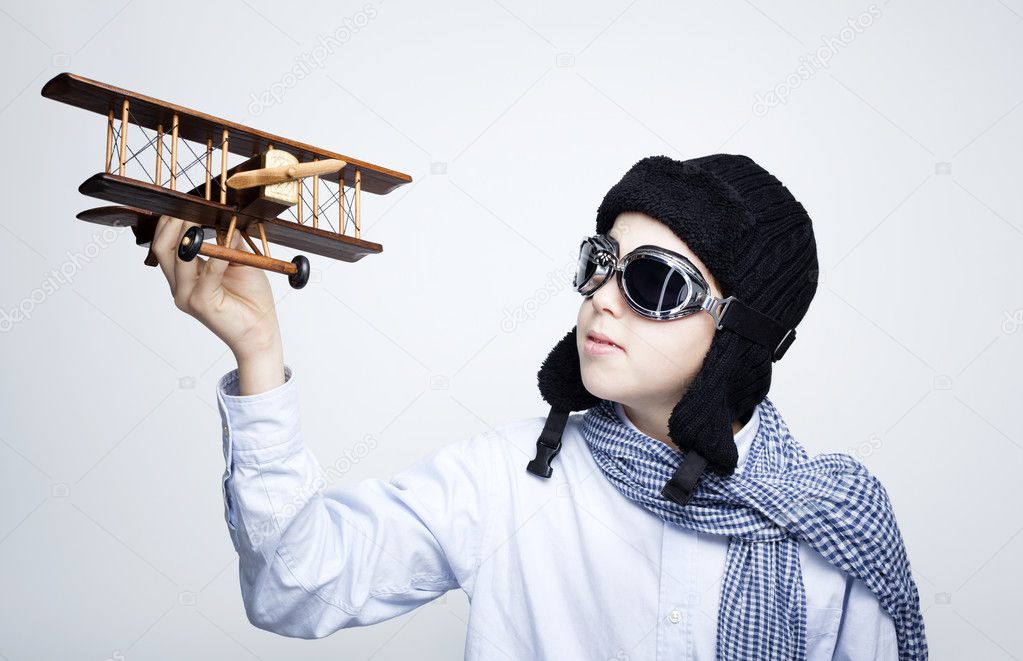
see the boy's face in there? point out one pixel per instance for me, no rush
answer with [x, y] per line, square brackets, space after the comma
[659, 358]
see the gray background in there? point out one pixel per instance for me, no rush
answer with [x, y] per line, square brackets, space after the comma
[513, 120]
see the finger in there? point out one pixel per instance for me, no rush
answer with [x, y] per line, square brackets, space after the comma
[185, 273]
[212, 274]
[166, 230]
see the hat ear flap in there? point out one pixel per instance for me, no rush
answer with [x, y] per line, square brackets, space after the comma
[560, 379]
[702, 419]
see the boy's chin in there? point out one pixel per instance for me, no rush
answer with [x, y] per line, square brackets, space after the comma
[600, 388]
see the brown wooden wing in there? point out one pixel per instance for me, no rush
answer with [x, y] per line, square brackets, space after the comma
[163, 201]
[198, 127]
[141, 222]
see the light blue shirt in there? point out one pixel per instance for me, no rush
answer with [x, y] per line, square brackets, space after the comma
[558, 568]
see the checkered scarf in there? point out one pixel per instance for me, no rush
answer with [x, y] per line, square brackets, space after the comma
[779, 497]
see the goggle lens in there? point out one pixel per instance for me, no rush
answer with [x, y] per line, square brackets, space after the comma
[587, 263]
[594, 267]
[654, 285]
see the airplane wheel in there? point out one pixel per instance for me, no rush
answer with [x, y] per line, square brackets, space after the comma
[187, 250]
[300, 277]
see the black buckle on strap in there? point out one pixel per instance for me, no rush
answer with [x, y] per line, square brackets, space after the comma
[783, 346]
[548, 444]
[682, 484]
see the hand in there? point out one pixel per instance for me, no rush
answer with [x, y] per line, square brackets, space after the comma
[234, 301]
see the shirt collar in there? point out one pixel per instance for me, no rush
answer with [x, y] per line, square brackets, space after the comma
[743, 439]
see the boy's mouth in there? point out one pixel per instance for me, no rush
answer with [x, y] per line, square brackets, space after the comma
[602, 339]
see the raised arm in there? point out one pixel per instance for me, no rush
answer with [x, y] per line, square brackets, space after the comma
[313, 559]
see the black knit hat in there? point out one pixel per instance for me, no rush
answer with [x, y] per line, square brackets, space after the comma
[758, 243]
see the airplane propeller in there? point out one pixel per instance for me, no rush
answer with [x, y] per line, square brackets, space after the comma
[283, 173]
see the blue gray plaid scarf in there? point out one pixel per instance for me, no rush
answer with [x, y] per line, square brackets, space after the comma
[779, 497]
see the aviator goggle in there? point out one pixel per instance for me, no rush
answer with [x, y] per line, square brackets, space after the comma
[663, 285]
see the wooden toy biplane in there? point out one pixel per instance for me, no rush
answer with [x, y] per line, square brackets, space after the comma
[263, 195]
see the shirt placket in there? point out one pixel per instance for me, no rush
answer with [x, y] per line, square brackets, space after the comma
[677, 585]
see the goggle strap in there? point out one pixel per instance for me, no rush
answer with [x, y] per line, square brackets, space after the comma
[758, 327]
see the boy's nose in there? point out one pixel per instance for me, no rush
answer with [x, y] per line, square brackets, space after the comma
[609, 298]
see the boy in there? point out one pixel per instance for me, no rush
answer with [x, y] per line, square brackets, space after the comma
[682, 517]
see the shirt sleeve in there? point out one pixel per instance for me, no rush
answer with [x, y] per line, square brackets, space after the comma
[315, 558]
[866, 630]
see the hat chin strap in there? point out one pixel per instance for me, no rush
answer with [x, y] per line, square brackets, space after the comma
[679, 488]
[682, 484]
[548, 445]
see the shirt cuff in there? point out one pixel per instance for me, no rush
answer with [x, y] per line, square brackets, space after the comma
[261, 427]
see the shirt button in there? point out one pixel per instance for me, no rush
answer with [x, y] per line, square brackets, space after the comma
[675, 616]
[225, 430]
